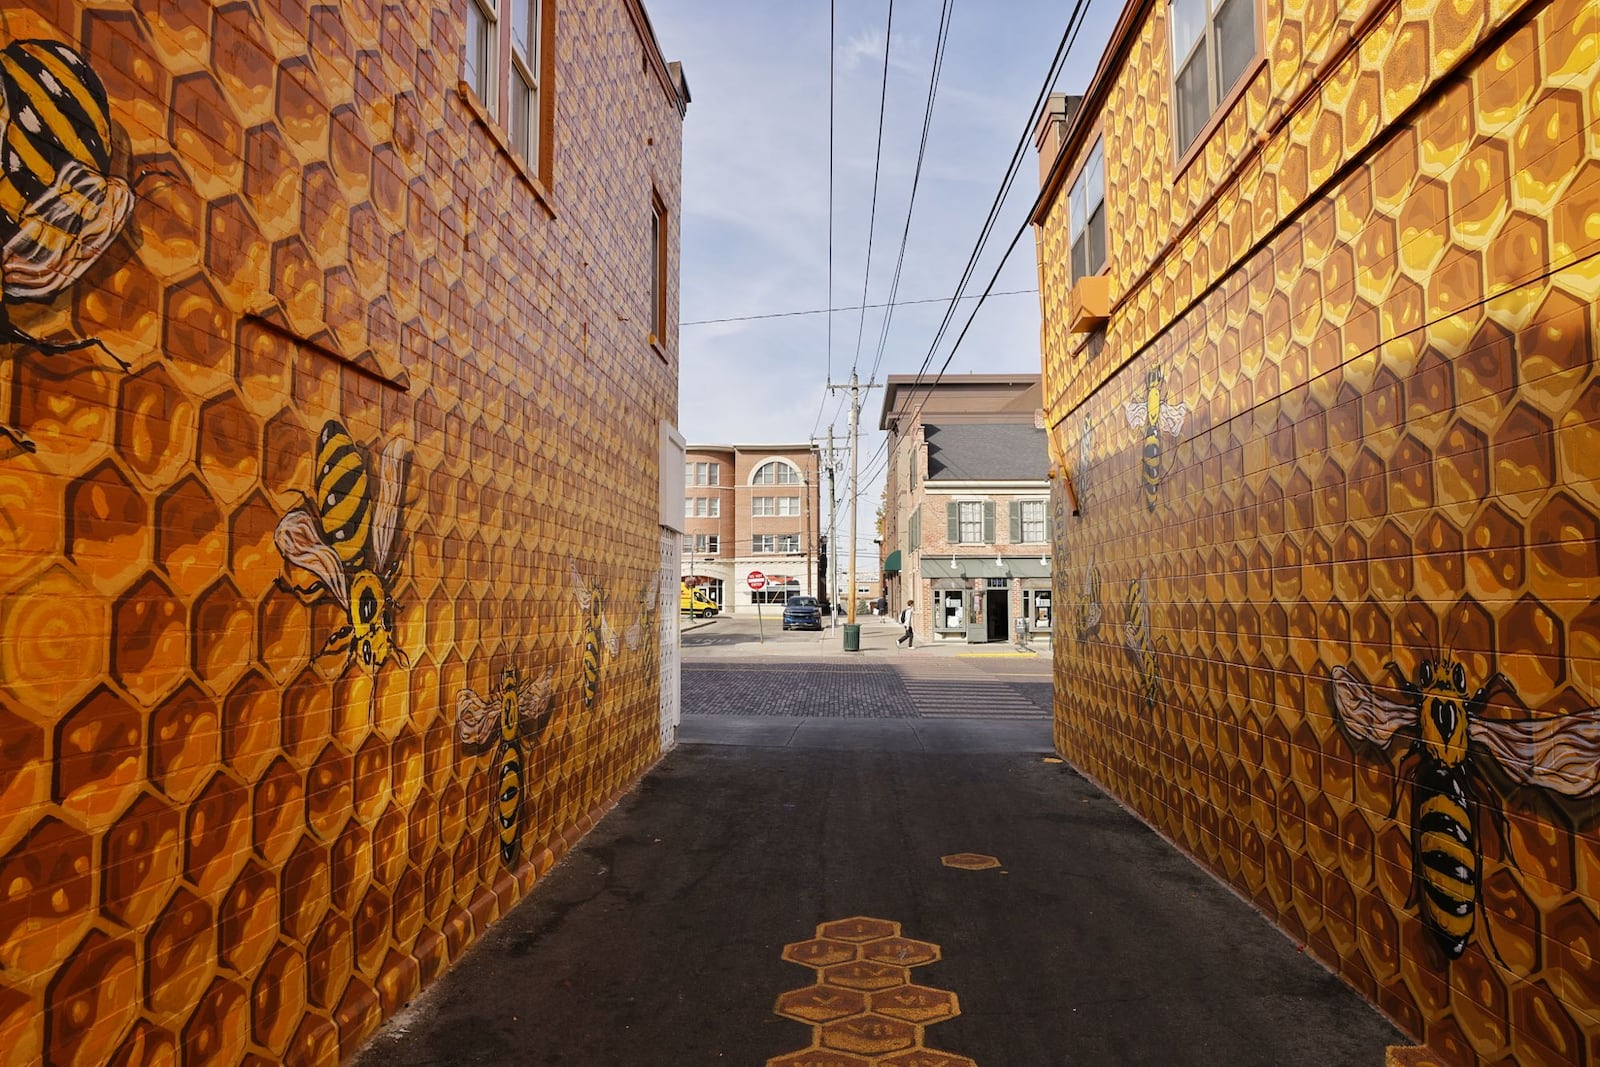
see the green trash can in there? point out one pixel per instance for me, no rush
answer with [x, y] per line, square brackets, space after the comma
[852, 637]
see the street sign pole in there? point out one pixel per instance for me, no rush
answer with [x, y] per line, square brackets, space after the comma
[757, 582]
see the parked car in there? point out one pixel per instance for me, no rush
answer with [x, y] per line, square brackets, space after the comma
[802, 613]
[695, 603]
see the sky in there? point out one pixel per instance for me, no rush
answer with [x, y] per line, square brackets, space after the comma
[755, 213]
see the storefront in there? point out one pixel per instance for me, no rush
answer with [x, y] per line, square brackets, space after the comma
[982, 600]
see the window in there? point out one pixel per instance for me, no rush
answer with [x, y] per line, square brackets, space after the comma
[658, 270]
[788, 506]
[1212, 43]
[701, 544]
[477, 65]
[702, 474]
[971, 522]
[1087, 221]
[702, 507]
[776, 473]
[776, 543]
[524, 118]
[947, 610]
[1028, 522]
[789, 543]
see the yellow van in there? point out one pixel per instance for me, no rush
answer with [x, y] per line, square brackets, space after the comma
[695, 603]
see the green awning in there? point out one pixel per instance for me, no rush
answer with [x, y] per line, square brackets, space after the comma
[892, 564]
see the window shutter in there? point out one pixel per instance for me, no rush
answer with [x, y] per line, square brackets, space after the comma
[953, 518]
[1016, 522]
[988, 522]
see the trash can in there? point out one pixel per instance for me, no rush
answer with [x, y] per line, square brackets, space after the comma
[852, 637]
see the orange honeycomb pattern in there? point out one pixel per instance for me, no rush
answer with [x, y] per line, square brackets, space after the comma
[216, 846]
[864, 1009]
[1374, 287]
[970, 861]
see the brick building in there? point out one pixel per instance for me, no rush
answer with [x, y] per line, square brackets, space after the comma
[340, 366]
[966, 517]
[749, 508]
[1321, 386]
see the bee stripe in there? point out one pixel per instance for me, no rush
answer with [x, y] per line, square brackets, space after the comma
[343, 504]
[29, 172]
[63, 91]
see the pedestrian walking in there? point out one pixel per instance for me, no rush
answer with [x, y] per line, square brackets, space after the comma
[905, 620]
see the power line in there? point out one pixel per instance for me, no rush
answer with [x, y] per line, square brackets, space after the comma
[872, 215]
[822, 405]
[852, 307]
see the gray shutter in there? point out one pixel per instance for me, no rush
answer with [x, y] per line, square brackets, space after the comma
[988, 522]
[1016, 522]
[953, 519]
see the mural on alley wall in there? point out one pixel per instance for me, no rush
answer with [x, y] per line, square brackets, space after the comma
[60, 205]
[1372, 576]
[598, 633]
[306, 396]
[1152, 416]
[1449, 739]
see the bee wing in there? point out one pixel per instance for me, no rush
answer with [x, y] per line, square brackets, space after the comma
[475, 718]
[579, 586]
[634, 637]
[1366, 712]
[63, 231]
[1172, 416]
[1091, 615]
[394, 465]
[1560, 753]
[533, 697]
[1136, 413]
[299, 540]
[608, 635]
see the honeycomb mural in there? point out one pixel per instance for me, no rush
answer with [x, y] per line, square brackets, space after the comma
[309, 395]
[1358, 677]
[864, 1009]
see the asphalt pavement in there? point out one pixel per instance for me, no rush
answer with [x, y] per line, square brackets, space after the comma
[883, 892]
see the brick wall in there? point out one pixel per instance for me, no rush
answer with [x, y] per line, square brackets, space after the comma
[239, 819]
[1370, 294]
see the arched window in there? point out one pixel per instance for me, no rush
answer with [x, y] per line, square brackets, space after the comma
[776, 472]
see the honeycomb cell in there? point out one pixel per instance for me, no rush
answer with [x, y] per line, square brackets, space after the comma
[236, 253]
[868, 1035]
[820, 1004]
[92, 1000]
[219, 1030]
[157, 423]
[329, 792]
[277, 809]
[185, 744]
[178, 955]
[108, 528]
[409, 896]
[272, 182]
[307, 717]
[1539, 1017]
[866, 976]
[49, 885]
[305, 889]
[230, 448]
[916, 1004]
[926, 1057]
[1496, 555]
[405, 765]
[146, 1045]
[1534, 634]
[98, 756]
[191, 538]
[197, 335]
[389, 845]
[900, 952]
[243, 61]
[325, 217]
[350, 869]
[247, 920]
[224, 636]
[371, 779]
[1544, 155]
[315, 1040]
[250, 716]
[54, 642]
[329, 962]
[813, 1057]
[370, 928]
[217, 837]
[1439, 566]
[284, 631]
[356, 1016]
[278, 997]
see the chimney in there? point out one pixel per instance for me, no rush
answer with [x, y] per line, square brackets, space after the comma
[1052, 130]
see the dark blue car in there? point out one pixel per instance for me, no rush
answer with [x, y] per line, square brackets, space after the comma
[802, 613]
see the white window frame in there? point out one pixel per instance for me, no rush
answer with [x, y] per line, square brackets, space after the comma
[1205, 48]
[1087, 217]
[782, 473]
[763, 543]
[964, 508]
[484, 84]
[1040, 523]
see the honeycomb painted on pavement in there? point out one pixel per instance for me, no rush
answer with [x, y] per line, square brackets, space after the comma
[379, 395]
[970, 861]
[1372, 290]
[864, 1007]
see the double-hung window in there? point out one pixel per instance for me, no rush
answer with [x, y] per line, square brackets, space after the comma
[1087, 221]
[482, 47]
[504, 63]
[524, 117]
[1213, 41]
[658, 271]
[1028, 522]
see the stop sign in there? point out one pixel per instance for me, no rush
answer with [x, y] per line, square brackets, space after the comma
[756, 580]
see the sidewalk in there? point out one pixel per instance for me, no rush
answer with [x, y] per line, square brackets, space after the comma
[704, 921]
[877, 639]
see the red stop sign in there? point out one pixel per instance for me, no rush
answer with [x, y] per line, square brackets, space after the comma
[756, 581]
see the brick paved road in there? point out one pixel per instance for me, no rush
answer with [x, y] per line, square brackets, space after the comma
[928, 688]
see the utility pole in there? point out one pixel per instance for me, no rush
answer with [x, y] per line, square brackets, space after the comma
[855, 388]
[833, 535]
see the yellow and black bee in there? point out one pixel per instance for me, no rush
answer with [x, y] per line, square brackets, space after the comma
[348, 537]
[1153, 417]
[60, 205]
[1138, 639]
[597, 630]
[521, 711]
[1444, 718]
[1089, 608]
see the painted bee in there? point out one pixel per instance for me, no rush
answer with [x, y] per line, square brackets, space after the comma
[1559, 753]
[1153, 417]
[1137, 638]
[1080, 474]
[1089, 607]
[521, 711]
[60, 206]
[599, 632]
[349, 539]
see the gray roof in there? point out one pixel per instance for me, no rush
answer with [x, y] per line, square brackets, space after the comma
[986, 452]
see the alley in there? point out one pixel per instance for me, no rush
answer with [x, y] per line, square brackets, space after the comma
[661, 939]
